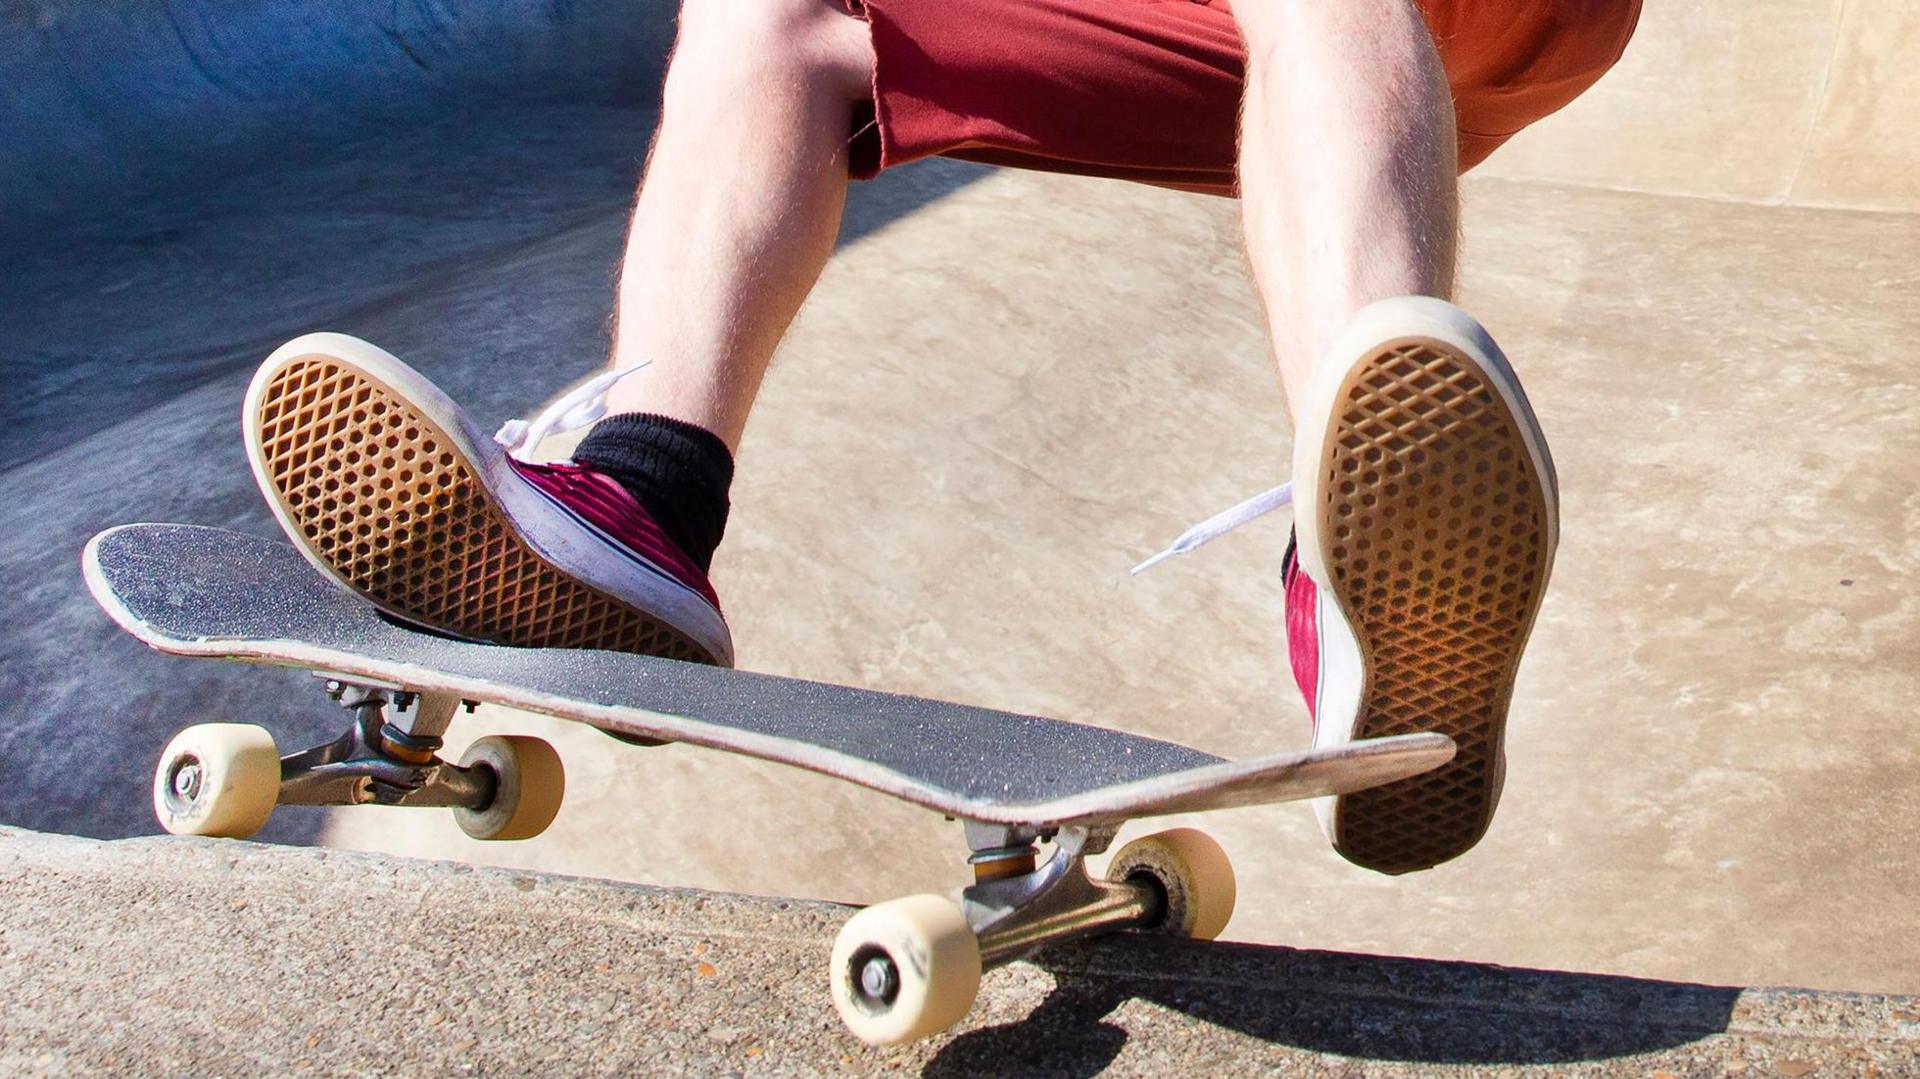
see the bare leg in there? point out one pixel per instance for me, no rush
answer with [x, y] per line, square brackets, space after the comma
[1347, 164]
[740, 205]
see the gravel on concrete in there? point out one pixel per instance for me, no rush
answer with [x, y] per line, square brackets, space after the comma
[212, 957]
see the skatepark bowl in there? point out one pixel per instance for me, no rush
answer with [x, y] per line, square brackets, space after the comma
[1008, 388]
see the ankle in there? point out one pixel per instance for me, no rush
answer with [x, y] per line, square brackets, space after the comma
[678, 471]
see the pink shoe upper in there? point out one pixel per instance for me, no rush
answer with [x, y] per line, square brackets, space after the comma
[1303, 628]
[599, 501]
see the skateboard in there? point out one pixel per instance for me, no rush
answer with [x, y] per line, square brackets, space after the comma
[900, 970]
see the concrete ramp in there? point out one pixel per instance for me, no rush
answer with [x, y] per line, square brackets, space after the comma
[1009, 388]
[231, 958]
[1791, 103]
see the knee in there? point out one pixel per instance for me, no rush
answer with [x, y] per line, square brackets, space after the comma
[1277, 31]
[726, 46]
[1307, 45]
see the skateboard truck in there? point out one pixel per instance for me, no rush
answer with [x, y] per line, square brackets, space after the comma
[911, 967]
[387, 756]
[1013, 915]
[226, 778]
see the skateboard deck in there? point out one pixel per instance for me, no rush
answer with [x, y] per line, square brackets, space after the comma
[208, 592]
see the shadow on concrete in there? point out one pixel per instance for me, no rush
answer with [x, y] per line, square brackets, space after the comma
[1363, 1007]
[284, 174]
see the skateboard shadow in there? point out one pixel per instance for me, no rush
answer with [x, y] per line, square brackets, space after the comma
[1368, 1008]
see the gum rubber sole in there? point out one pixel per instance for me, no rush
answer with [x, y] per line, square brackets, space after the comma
[1437, 532]
[384, 497]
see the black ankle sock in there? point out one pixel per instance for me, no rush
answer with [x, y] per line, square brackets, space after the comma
[679, 471]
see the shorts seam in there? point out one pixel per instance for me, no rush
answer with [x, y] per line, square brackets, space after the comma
[883, 158]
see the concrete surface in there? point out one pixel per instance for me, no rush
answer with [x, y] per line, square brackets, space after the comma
[1008, 389]
[1772, 102]
[214, 957]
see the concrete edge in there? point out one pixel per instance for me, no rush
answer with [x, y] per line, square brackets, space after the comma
[130, 925]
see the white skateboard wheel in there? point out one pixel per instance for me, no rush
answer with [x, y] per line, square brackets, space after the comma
[1194, 877]
[529, 785]
[218, 779]
[905, 969]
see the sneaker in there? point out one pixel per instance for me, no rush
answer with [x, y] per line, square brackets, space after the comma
[388, 488]
[1426, 512]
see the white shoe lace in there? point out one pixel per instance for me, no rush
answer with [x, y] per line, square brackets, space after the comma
[587, 402]
[582, 405]
[1222, 523]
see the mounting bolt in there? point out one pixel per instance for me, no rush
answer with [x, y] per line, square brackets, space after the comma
[186, 780]
[878, 980]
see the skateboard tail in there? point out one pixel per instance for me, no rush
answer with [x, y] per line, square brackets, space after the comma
[1277, 777]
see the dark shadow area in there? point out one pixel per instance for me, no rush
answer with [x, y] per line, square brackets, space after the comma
[1368, 1008]
[475, 235]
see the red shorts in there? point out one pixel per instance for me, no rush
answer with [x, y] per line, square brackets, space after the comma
[1150, 90]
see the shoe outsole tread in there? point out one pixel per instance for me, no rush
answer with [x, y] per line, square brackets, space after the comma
[390, 503]
[1436, 531]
